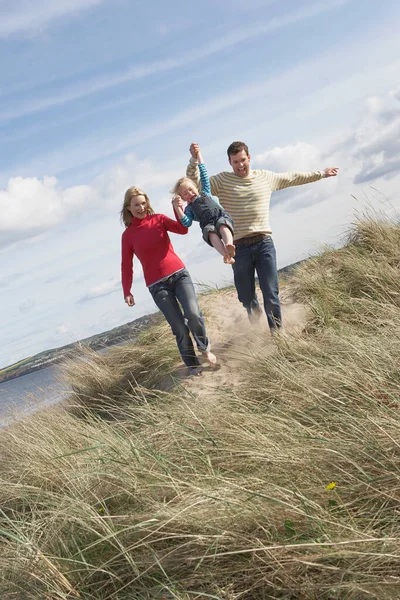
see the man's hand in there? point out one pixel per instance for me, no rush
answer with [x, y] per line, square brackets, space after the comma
[194, 150]
[130, 300]
[331, 171]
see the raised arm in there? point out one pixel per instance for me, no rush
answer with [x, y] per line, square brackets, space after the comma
[127, 269]
[280, 181]
[204, 178]
[195, 174]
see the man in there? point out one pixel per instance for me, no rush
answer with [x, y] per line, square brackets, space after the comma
[246, 193]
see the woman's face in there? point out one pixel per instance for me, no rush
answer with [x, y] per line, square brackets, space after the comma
[138, 207]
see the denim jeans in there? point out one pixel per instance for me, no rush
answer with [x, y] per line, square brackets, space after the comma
[178, 287]
[259, 257]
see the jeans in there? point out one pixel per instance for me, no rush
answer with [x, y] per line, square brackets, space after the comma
[259, 257]
[166, 294]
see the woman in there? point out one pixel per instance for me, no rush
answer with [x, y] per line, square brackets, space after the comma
[146, 235]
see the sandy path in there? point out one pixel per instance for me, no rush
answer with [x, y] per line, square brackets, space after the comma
[234, 339]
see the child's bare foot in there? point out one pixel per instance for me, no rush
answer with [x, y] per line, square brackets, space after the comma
[212, 359]
[228, 260]
[230, 248]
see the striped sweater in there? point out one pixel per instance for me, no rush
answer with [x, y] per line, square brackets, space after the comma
[247, 199]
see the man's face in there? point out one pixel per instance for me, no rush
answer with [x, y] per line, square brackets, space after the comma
[240, 163]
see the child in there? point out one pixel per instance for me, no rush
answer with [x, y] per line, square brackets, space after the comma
[215, 223]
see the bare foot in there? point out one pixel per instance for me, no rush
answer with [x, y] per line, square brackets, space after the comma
[231, 250]
[212, 359]
[228, 260]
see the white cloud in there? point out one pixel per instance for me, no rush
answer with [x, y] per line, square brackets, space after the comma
[29, 17]
[105, 288]
[377, 138]
[298, 157]
[62, 331]
[294, 157]
[30, 205]
[374, 144]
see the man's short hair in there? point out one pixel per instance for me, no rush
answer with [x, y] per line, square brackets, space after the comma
[236, 147]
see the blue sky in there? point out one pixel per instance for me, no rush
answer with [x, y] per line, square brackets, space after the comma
[99, 95]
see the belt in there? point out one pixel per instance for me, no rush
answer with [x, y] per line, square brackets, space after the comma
[251, 239]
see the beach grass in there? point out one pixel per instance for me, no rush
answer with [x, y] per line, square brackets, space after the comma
[285, 487]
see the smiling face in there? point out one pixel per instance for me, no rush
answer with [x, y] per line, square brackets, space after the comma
[240, 163]
[138, 206]
[188, 191]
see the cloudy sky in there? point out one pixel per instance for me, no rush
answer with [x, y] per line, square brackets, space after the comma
[99, 95]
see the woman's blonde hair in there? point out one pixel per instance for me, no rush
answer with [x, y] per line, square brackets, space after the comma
[126, 215]
[178, 184]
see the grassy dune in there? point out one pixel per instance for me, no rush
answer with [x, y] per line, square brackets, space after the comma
[286, 486]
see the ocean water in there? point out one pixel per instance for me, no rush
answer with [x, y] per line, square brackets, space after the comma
[25, 394]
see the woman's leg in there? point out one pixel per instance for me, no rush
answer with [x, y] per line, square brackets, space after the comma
[185, 293]
[166, 301]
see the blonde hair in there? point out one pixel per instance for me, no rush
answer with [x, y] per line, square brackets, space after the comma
[178, 184]
[126, 215]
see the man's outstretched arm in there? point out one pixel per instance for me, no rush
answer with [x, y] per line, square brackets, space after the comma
[280, 181]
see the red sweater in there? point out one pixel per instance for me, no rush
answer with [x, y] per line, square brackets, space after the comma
[148, 238]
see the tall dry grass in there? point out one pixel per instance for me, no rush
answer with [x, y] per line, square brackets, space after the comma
[288, 488]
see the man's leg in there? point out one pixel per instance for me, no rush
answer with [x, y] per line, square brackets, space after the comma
[268, 278]
[166, 301]
[243, 273]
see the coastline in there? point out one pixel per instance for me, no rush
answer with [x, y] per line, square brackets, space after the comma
[97, 342]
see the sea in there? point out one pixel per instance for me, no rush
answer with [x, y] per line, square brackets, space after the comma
[23, 395]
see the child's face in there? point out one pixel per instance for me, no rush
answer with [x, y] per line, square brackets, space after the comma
[188, 191]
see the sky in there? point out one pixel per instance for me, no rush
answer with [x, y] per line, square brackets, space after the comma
[100, 95]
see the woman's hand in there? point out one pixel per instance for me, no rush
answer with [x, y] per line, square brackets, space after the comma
[130, 300]
[177, 201]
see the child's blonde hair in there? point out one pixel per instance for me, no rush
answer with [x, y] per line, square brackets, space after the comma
[178, 184]
[126, 215]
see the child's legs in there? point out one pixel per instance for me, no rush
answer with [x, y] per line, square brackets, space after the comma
[225, 231]
[217, 243]
[226, 235]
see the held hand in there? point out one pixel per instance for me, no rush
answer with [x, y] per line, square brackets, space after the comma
[177, 201]
[194, 150]
[130, 300]
[331, 171]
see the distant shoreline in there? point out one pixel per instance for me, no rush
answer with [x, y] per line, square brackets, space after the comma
[54, 356]
[114, 336]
